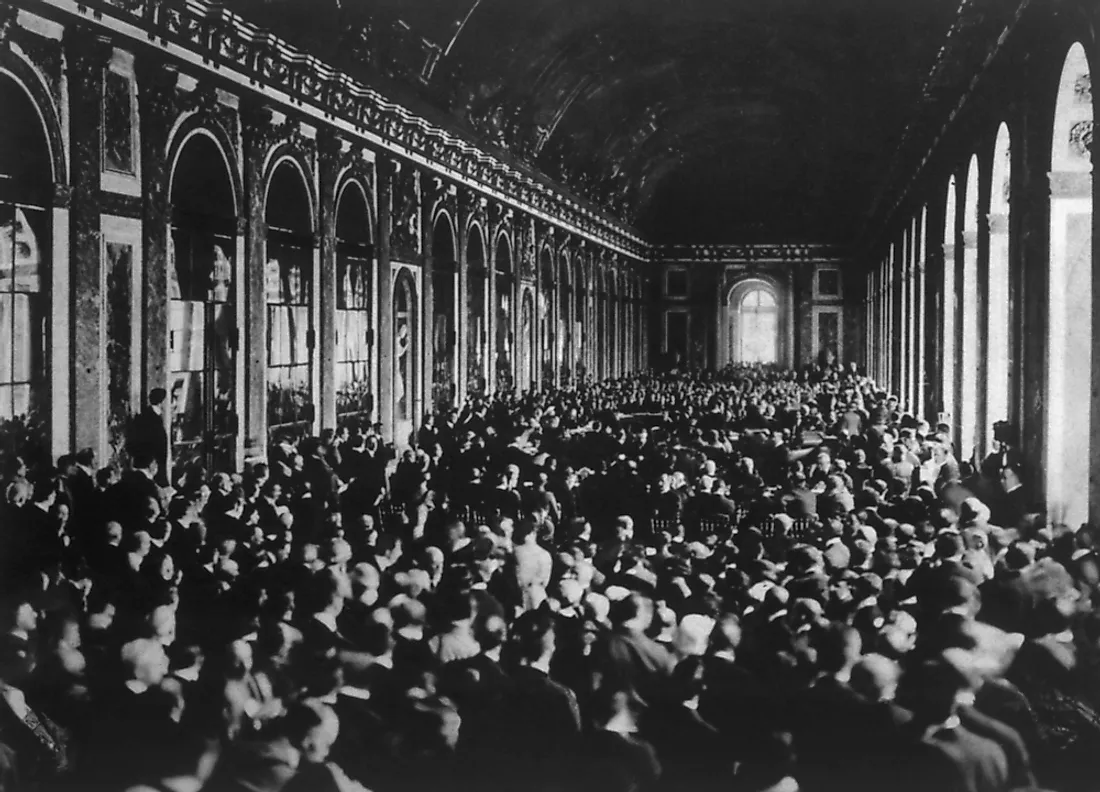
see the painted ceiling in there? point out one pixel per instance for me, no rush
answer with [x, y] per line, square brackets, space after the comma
[695, 120]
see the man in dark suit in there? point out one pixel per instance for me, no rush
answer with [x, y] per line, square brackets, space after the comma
[628, 654]
[129, 497]
[81, 483]
[325, 593]
[148, 434]
[543, 717]
[946, 754]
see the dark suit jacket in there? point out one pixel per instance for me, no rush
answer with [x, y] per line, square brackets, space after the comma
[691, 750]
[543, 717]
[147, 434]
[612, 762]
[956, 760]
[127, 498]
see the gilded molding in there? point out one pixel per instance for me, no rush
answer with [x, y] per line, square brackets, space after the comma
[226, 41]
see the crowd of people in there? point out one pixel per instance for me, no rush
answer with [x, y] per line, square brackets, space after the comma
[743, 580]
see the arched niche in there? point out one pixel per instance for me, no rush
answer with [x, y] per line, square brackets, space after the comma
[289, 278]
[477, 328]
[355, 289]
[203, 311]
[1068, 453]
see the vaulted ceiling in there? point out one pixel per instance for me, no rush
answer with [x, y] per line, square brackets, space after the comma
[697, 120]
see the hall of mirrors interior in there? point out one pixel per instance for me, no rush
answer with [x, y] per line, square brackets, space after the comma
[295, 220]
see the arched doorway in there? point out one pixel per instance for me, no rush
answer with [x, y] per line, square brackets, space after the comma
[289, 279]
[354, 306]
[26, 180]
[997, 359]
[406, 356]
[1069, 354]
[477, 285]
[202, 309]
[444, 272]
[505, 283]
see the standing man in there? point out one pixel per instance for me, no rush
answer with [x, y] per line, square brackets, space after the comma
[148, 434]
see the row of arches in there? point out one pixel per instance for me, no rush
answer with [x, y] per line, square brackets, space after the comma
[565, 317]
[957, 316]
[276, 313]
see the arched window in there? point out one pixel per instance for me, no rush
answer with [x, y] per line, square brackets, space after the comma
[477, 287]
[758, 323]
[202, 339]
[25, 240]
[947, 310]
[1069, 354]
[997, 359]
[354, 290]
[289, 285]
[970, 308]
[443, 335]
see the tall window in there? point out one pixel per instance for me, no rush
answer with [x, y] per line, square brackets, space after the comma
[354, 321]
[1069, 355]
[969, 409]
[25, 185]
[759, 328]
[289, 287]
[947, 383]
[477, 286]
[997, 359]
[203, 337]
[443, 338]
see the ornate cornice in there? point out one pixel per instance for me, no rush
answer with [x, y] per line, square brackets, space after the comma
[210, 37]
[733, 254]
